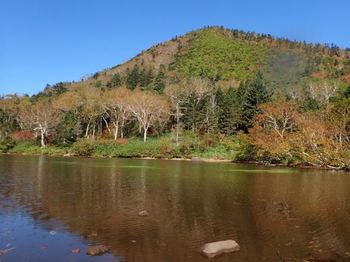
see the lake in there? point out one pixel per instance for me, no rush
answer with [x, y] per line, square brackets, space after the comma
[50, 206]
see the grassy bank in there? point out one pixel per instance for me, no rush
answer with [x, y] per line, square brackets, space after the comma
[190, 146]
[207, 147]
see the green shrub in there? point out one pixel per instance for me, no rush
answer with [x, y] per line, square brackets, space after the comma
[168, 148]
[218, 152]
[54, 151]
[83, 147]
[246, 151]
[6, 145]
[209, 140]
[25, 147]
[189, 143]
[132, 148]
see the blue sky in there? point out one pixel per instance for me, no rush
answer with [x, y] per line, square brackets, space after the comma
[47, 41]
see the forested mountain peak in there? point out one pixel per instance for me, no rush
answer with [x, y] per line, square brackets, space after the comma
[227, 57]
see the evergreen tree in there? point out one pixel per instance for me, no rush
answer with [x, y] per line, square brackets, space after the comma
[220, 100]
[142, 78]
[116, 80]
[192, 113]
[132, 78]
[228, 112]
[347, 92]
[149, 77]
[159, 83]
[255, 95]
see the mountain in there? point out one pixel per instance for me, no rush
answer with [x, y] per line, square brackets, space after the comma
[228, 57]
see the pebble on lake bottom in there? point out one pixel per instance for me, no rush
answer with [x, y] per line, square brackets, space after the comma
[75, 250]
[97, 250]
[214, 249]
[143, 213]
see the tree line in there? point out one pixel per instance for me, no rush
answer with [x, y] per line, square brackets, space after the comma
[308, 125]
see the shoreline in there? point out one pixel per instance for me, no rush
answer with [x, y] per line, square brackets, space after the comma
[196, 159]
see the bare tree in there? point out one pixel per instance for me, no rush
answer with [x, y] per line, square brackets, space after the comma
[149, 109]
[40, 117]
[116, 106]
[322, 92]
[92, 109]
[178, 95]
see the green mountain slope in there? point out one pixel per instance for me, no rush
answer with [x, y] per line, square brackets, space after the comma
[229, 57]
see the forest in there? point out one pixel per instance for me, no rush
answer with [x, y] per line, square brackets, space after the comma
[213, 93]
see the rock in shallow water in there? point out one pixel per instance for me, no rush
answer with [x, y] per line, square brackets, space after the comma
[214, 249]
[143, 213]
[97, 250]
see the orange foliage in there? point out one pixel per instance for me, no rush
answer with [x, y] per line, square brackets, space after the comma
[284, 134]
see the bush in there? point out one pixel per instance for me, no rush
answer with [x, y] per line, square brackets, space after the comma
[22, 136]
[26, 147]
[133, 148]
[168, 148]
[83, 147]
[189, 143]
[246, 151]
[6, 145]
[218, 152]
[210, 140]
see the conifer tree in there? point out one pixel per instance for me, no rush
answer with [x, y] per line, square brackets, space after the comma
[228, 112]
[116, 80]
[255, 95]
[132, 78]
[159, 83]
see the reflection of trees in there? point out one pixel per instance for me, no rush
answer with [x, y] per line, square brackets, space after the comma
[189, 204]
[307, 212]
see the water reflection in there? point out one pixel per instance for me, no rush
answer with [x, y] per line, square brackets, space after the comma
[277, 214]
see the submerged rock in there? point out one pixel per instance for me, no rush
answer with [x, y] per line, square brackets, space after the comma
[75, 250]
[97, 250]
[143, 213]
[214, 249]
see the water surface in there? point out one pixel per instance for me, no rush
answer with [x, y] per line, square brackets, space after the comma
[49, 206]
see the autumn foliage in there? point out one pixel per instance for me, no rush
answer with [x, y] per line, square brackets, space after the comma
[282, 133]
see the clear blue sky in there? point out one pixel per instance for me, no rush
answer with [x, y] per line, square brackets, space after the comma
[47, 41]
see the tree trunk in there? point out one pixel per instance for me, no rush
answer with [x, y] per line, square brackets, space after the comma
[87, 130]
[107, 125]
[122, 129]
[116, 131]
[145, 134]
[177, 124]
[42, 140]
[93, 131]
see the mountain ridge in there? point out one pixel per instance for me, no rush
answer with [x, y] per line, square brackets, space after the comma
[227, 57]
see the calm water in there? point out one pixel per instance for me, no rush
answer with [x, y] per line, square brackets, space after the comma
[49, 206]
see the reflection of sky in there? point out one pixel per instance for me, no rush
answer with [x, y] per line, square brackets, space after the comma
[31, 242]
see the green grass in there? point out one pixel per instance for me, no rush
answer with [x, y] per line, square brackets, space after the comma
[191, 145]
[28, 148]
[133, 148]
[218, 152]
